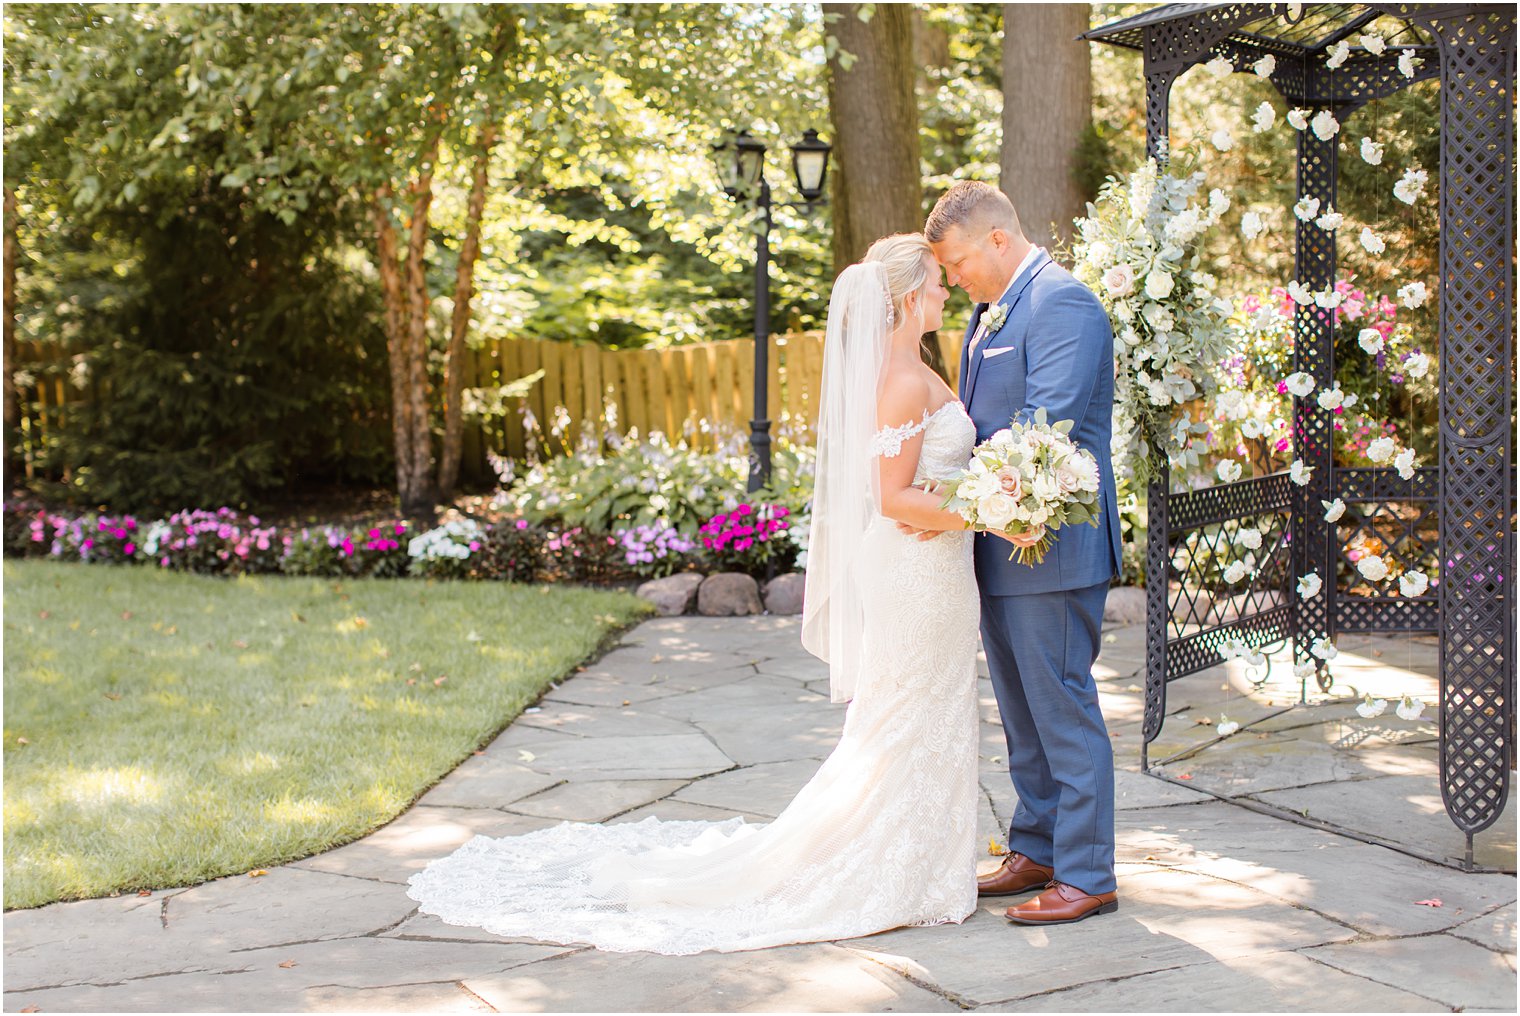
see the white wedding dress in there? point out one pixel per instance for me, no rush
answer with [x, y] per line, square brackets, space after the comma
[883, 835]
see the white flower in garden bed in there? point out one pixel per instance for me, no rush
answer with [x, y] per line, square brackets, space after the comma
[1334, 510]
[1413, 583]
[1300, 473]
[1413, 295]
[1371, 340]
[1372, 152]
[1325, 125]
[1371, 707]
[1309, 585]
[1265, 66]
[1411, 186]
[1222, 139]
[454, 540]
[1264, 117]
[1306, 208]
[1371, 242]
[1409, 708]
[1404, 463]
[1372, 567]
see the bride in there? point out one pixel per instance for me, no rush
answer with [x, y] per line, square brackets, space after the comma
[883, 835]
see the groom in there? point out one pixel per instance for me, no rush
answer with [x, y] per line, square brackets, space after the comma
[1040, 339]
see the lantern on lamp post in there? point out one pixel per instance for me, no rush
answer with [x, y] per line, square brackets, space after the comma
[741, 168]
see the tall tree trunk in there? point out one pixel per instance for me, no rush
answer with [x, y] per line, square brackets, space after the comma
[1047, 105]
[877, 188]
[12, 400]
[419, 495]
[464, 291]
[395, 336]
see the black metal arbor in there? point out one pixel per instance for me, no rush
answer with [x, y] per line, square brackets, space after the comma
[1458, 514]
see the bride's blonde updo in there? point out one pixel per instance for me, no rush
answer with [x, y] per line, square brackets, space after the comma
[908, 259]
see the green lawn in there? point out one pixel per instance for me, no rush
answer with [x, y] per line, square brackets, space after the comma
[162, 729]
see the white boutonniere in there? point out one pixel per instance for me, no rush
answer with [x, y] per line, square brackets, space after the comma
[993, 318]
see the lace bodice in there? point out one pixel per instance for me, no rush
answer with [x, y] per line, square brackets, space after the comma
[949, 436]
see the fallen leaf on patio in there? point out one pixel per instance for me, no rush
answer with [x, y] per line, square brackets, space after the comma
[287, 964]
[995, 848]
[656, 658]
[1133, 687]
[525, 755]
[477, 753]
[1185, 776]
[145, 892]
[1432, 902]
[626, 702]
[1201, 721]
[31, 1008]
[255, 873]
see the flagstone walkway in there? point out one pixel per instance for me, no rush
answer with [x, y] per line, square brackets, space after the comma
[1226, 905]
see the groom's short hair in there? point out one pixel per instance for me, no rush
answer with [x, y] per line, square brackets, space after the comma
[973, 205]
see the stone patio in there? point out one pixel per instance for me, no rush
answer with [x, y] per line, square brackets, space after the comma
[1230, 902]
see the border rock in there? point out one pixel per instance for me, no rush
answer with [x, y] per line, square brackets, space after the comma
[783, 594]
[671, 595]
[728, 594]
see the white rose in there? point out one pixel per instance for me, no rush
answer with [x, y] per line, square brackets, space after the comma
[1371, 242]
[1039, 516]
[1235, 572]
[1300, 293]
[1228, 471]
[1045, 489]
[1330, 221]
[1309, 585]
[1158, 284]
[1408, 63]
[1264, 117]
[1249, 539]
[1411, 185]
[1372, 152]
[1338, 54]
[1220, 67]
[1404, 463]
[1325, 125]
[1222, 140]
[1251, 225]
[1300, 473]
[1371, 707]
[1324, 648]
[1371, 340]
[1334, 510]
[1382, 449]
[1306, 208]
[1298, 119]
[996, 511]
[1373, 568]
[1265, 66]
[1374, 44]
[1119, 280]
[1002, 440]
[1413, 583]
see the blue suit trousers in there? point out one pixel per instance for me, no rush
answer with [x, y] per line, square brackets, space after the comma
[1040, 649]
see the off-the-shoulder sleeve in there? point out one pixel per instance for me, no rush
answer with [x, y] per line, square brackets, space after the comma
[888, 441]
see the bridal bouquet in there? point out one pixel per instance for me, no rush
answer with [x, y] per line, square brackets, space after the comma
[1028, 479]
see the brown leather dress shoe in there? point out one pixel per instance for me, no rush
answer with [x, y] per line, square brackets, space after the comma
[1062, 904]
[1017, 874]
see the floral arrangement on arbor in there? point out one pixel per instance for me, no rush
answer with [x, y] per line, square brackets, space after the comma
[1138, 248]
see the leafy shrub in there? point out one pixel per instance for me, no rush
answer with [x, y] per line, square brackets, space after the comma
[510, 551]
[212, 542]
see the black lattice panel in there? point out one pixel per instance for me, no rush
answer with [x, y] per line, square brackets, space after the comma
[1477, 195]
[1314, 354]
[1396, 520]
[1178, 45]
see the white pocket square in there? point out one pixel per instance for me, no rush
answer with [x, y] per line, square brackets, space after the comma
[988, 354]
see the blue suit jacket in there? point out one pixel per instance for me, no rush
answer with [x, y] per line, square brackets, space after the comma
[1060, 356]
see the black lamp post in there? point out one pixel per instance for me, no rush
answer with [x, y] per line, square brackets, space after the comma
[741, 164]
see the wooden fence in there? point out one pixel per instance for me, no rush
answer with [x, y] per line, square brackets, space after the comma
[696, 391]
